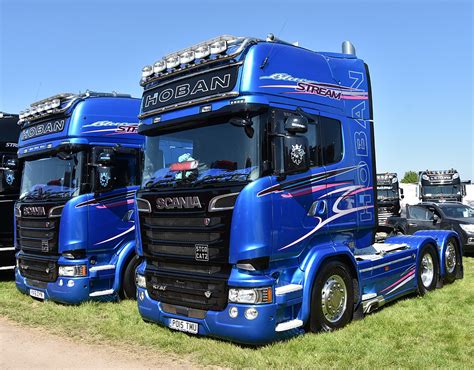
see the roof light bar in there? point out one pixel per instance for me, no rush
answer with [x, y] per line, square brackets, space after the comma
[202, 52]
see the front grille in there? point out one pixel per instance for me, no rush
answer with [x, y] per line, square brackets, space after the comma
[176, 274]
[38, 235]
[199, 292]
[36, 268]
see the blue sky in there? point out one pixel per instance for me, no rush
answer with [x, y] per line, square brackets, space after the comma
[419, 54]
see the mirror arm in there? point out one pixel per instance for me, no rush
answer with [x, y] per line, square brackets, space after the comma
[306, 114]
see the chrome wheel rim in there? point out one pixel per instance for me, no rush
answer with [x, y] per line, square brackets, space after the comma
[450, 258]
[334, 298]
[427, 270]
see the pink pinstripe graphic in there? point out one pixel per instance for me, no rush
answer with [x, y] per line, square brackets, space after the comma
[410, 273]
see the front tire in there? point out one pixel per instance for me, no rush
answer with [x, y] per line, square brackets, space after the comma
[451, 261]
[129, 288]
[332, 298]
[427, 270]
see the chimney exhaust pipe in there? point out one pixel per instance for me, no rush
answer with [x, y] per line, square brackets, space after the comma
[348, 48]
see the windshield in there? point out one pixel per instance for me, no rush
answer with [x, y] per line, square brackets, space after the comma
[203, 154]
[57, 176]
[457, 210]
[441, 190]
[386, 194]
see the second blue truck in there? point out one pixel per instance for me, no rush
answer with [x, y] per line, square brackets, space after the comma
[74, 221]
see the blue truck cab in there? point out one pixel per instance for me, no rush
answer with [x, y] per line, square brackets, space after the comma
[74, 224]
[257, 207]
[9, 187]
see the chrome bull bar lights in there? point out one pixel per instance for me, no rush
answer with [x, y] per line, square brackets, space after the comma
[204, 52]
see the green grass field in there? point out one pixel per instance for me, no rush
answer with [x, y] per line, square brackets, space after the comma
[434, 331]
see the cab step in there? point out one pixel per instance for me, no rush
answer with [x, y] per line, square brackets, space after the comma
[288, 325]
[101, 293]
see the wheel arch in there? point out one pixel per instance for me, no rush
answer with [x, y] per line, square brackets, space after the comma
[314, 261]
[125, 255]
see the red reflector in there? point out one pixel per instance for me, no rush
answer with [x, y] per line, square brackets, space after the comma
[387, 268]
[184, 166]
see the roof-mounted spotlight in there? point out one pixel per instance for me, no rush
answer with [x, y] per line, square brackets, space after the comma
[159, 66]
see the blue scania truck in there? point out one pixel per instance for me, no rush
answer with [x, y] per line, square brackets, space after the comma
[74, 224]
[257, 208]
[9, 187]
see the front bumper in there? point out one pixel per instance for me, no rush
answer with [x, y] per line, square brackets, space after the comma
[219, 324]
[68, 290]
[71, 290]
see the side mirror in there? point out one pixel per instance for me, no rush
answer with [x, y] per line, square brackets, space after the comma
[296, 125]
[292, 154]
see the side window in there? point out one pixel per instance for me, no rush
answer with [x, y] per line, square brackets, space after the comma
[420, 213]
[127, 169]
[312, 136]
[331, 140]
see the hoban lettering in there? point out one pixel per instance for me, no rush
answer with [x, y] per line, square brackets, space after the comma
[181, 91]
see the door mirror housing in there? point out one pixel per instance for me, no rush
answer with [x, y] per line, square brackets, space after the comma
[296, 125]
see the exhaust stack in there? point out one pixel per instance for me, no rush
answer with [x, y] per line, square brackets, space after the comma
[348, 48]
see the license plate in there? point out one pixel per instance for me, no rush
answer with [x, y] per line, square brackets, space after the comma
[36, 293]
[181, 325]
[201, 252]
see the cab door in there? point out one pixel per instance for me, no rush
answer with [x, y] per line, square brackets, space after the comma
[299, 204]
[111, 222]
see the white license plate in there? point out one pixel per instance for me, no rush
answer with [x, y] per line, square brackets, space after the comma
[181, 325]
[36, 294]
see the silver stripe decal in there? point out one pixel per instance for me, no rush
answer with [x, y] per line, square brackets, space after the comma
[386, 264]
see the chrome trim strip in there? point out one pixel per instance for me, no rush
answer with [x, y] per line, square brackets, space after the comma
[6, 249]
[189, 103]
[102, 268]
[213, 201]
[4, 268]
[386, 264]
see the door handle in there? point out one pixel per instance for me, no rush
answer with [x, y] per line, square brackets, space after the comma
[318, 208]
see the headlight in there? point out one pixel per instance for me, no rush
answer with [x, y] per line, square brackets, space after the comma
[218, 47]
[469, 228]
[251, 296]
[140, 280]
[425, 177]
[55, 103]
[73, 271]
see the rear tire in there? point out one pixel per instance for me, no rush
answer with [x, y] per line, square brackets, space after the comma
[332, 298]
[451, 261]
[129, 288]
[427, 270]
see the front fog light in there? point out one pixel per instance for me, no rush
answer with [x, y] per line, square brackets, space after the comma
[251, 296]
[73, 271]
[251, 313]
[140, 280]
[233, 312]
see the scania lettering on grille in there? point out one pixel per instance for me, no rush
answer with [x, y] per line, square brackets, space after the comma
[178, 202]
[34, 211]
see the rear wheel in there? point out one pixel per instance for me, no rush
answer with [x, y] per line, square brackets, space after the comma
[451, 261]
[332, 298]
[129, 288]
[427, 270]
